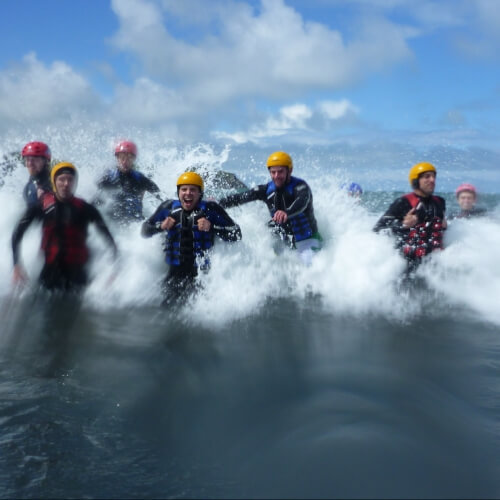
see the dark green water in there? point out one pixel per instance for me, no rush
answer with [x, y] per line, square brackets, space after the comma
[291, 401]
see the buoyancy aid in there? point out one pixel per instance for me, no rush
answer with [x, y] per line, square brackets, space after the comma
[185, 243]
[64, 234]
[301, 225]
[426, 236]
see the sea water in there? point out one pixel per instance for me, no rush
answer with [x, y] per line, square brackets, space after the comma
[275, 379]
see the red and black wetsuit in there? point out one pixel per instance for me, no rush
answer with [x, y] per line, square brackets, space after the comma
[427, 235]
[64, 239]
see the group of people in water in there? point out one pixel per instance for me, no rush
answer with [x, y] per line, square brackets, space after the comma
[191, 223]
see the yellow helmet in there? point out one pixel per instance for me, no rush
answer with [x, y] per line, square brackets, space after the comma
[280, 159]
[190, 178]
[58, 169]
[418, 169]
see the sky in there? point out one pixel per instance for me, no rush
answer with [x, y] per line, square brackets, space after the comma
[262, 72]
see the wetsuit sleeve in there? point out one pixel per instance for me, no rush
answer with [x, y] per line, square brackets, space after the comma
[96, 217]
[303, 196]
[393, 217]
[257, 193]
[150, 186]
[152, 225]
[223, 226]
[23, 224]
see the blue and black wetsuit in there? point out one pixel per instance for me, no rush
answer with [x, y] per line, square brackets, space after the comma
[127, 191]
[294, 198]
[39, 181]
[186, 247]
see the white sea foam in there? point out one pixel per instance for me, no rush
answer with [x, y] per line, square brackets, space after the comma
[355, 273]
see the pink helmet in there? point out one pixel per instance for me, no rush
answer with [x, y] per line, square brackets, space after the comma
[126, 147]
[36, 149]
[465, 187]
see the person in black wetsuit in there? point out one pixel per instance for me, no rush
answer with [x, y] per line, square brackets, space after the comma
[290, 204]
[126, 186]
[36, 157]
[418, 218]
[65, 219]
[466, 198]
[190, 225]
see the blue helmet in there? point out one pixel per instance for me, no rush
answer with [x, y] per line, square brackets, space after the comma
[353, 188]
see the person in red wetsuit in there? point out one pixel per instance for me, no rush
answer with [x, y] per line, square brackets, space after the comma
[417, 219]
[65, 220]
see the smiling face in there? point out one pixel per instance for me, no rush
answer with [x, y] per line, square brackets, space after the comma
[427, 183]
[35, 164]
[466, 200]
[279, 175]
[65, 186]
[189, 196]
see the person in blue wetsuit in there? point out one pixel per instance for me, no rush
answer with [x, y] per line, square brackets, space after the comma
[290, 203]
[126, 186]
[190, 225]
[36, 156]
[417, 219]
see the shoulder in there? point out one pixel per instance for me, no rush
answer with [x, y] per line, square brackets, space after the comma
[439, 200]
[403, 203]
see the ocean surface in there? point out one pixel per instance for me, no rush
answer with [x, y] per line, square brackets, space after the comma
[275, 380]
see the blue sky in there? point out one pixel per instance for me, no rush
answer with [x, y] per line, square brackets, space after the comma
[315, 71]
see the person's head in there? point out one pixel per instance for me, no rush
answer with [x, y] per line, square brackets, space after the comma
[422, 178]
[126, 153]
[354, 190]
[466, 196]
[189, 190]
[280, 166]
[64, 178]
[36, 157]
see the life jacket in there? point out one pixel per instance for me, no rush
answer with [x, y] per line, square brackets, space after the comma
[185, 242]
[302, 225]
[426, 236]
[64, 240]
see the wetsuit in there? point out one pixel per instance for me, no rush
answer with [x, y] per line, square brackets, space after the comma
[64, 235]
[186, 246]
[127, 191]
[426, 236]
[295, 199]
[39, 181]
[467, 214]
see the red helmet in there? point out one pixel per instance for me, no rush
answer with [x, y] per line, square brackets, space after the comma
[126, 147]
[465, 187]
[36, 149]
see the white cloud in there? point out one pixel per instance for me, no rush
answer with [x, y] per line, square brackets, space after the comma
[294, 119]
[31, 91]
[334, 110]
[269, 52]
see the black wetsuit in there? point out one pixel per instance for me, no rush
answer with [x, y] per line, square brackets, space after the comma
[294, 198]
[467, 214]
[64, 235]
[426, 236]
[186, 247]
[127, 191]
[39, 181]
